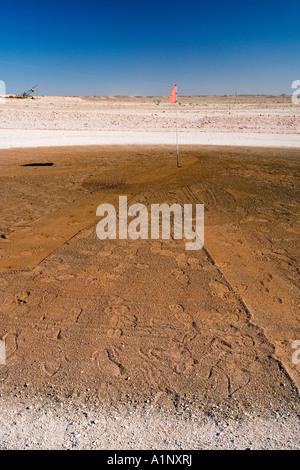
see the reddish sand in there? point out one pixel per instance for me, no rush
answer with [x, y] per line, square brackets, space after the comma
[145, 325]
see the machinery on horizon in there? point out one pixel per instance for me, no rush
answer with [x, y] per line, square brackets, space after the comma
[28, 94]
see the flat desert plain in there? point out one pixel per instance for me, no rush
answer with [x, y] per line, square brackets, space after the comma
[129, 344]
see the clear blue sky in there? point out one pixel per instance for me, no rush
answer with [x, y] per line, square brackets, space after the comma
[143, 47]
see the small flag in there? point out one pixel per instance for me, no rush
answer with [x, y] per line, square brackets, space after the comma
[173, 95]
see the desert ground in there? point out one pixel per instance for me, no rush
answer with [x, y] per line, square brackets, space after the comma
[253, 121]
[132, 344]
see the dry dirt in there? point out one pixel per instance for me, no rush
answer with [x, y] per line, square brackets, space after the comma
[121, 344]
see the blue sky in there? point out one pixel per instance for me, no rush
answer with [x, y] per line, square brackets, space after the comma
[143, 47]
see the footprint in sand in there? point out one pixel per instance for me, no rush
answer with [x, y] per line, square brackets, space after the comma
[221, 290]
[117, 310]
[182, 261]
[53, 333]
[238, 379]
[226, 380]
[121, 317]
[10, 339]
[241, 353]
[181, 277]
[115, 333]
[184, 362]
[194, 263]
[219, 320]
[182, 316]
[177, 357]
[51, 368]
[108, 361]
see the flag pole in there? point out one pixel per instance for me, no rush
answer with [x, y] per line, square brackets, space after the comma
[177, 128]
[173, 99]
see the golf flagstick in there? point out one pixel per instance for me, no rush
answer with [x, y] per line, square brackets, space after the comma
[173, 99]
[177, 130]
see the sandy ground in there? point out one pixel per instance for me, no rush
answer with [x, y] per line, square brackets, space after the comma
[135, 344]
[141, 344]
[61, 121]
